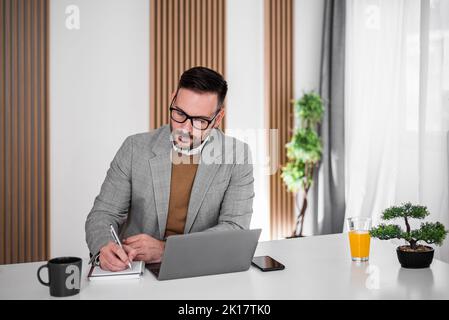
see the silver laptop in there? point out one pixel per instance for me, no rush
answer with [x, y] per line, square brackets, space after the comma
[206, 253]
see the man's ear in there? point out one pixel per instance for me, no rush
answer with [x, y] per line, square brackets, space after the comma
[219, 117]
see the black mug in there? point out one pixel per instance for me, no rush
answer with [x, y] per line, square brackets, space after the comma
[64, 276]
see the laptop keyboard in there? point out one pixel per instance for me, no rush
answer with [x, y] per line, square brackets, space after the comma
[154, 268]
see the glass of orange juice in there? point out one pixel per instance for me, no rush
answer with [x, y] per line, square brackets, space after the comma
[359, 238]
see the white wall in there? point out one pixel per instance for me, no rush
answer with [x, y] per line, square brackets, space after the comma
[245, 103]
[99, 94]
[308, 28]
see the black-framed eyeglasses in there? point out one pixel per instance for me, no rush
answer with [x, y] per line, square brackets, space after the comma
[179, 116]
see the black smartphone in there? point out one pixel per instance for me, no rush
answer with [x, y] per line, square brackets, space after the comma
[267, 263]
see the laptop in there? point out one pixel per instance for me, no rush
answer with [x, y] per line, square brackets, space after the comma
[206, 253]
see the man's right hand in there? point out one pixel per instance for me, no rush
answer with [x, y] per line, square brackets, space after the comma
[114, 258]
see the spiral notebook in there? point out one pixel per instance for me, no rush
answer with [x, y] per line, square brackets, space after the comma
[137, 270]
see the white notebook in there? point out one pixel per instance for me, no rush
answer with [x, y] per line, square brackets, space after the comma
[138, 268]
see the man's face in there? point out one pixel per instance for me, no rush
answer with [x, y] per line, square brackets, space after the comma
[194, 104]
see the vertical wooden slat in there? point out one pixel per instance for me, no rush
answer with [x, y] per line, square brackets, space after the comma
[151, 67]
[21, 124]
[164, 60]
[15, 168]
[24, 198]
[203, 22]
[186, 35]
[214, 19]
[43, 130]
[193, 33]
[28, 83]
[2, 133]
[183, 34]
[47, 129]
[151, 71]
[176, 47]
[209, 32]
[279, 89]
[154, 38]
[170, 52]
[35, 135]
[223, 37]
[159, 35]
[8, 123]
[38, 128]
[221, 27]
[181, 28]
[198, 52]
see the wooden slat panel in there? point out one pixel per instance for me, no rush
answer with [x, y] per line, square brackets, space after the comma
[279, 92]
[183, 34]
[24, 214]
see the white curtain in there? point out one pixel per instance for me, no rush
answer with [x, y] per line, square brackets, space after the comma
[397, 108]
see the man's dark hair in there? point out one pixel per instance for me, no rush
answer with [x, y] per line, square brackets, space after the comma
[202, 79]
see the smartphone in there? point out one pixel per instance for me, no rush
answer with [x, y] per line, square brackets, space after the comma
[267, 263]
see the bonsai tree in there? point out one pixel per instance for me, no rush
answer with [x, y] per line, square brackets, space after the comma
[303, 152]
[428, 232]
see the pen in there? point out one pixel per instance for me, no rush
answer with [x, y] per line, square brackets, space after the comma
[92, 258]
[117, 240]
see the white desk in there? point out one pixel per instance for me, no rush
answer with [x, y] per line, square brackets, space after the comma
[317, 267]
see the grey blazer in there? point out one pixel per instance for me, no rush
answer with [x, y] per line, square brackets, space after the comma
[135, 194]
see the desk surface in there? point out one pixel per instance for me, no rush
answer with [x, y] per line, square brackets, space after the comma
[317, 267]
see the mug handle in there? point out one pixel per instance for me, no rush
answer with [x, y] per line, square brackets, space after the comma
[39, 275]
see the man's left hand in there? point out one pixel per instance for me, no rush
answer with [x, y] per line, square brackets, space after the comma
[144, 248]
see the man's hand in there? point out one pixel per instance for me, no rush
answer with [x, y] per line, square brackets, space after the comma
[145, 248]
[114, 258]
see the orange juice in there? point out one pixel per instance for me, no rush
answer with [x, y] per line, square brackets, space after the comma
[359, 242]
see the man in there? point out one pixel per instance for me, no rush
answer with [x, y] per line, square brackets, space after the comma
[183, 178]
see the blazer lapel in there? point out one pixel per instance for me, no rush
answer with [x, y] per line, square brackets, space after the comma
[160, 165]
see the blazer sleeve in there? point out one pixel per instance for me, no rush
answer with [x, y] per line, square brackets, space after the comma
[237, 205]
[111, 206]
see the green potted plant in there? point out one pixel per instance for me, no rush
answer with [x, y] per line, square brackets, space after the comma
[413, 255]
[303, 152]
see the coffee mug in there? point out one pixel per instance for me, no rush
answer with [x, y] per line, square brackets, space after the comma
[64, 276]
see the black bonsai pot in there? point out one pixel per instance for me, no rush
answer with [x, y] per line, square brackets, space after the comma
[415, 259]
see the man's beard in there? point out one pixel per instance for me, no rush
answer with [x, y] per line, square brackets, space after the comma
[185, 136]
